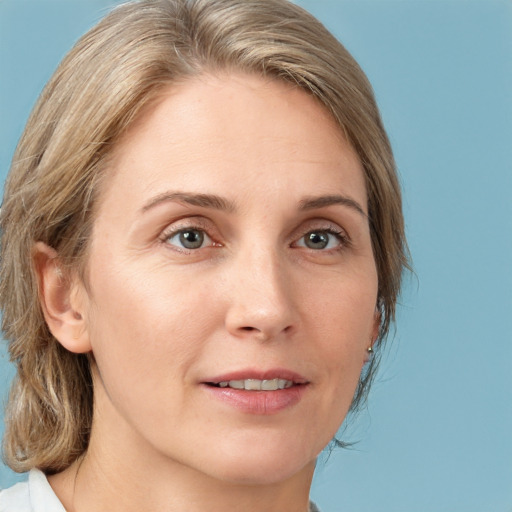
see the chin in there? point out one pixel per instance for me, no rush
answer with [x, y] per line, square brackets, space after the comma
[262, 474]
[263, 464]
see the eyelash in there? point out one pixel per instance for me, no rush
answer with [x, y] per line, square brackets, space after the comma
[339, 234]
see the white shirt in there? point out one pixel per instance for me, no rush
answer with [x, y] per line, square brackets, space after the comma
[36, 495]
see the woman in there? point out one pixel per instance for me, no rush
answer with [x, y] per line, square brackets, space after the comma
[202, 247]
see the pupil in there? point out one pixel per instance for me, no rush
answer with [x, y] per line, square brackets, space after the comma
[317, 240]
[191, 239]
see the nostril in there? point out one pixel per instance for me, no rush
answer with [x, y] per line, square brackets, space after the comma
[249, 329]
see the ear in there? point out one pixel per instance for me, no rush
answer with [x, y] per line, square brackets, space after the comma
[62, 299]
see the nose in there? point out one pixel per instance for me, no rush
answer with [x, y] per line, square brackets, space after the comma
[260, 298]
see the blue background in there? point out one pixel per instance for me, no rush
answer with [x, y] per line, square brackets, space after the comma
[437, 434]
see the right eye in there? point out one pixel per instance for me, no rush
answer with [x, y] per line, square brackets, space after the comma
[189, 239]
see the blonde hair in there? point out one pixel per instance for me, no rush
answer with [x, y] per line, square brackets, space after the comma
[110, 75]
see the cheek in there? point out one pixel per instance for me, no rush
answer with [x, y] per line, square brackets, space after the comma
[344, 312]
[343, 316]
[144, 328]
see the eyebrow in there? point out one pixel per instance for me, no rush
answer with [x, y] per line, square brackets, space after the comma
[203, 200]
[222, 204]
[312, 203]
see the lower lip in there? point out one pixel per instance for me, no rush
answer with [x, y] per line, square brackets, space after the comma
[263, 403]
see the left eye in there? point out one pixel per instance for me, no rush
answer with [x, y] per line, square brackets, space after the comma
[319, 240]
[189, 239]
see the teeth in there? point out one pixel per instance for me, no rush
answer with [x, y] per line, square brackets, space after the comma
[257, 385]
[236, 384]
[252, 384]
[270, 385]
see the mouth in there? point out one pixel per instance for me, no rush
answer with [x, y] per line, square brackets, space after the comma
[276, 379]
[257, 392]
[255, 384]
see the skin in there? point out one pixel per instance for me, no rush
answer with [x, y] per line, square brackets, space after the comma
[160, 318]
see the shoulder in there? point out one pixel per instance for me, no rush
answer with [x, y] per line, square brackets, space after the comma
[16, 498]
[35, 495]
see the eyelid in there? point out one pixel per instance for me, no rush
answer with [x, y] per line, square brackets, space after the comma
[321, 225]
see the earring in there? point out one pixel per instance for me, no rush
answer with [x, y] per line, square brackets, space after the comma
[369, 354]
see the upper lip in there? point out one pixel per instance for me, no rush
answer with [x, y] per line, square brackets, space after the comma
[251, 373]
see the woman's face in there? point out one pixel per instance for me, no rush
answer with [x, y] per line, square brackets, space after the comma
[231, 244]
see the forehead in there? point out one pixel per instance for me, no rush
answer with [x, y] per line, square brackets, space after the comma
[217, 133]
